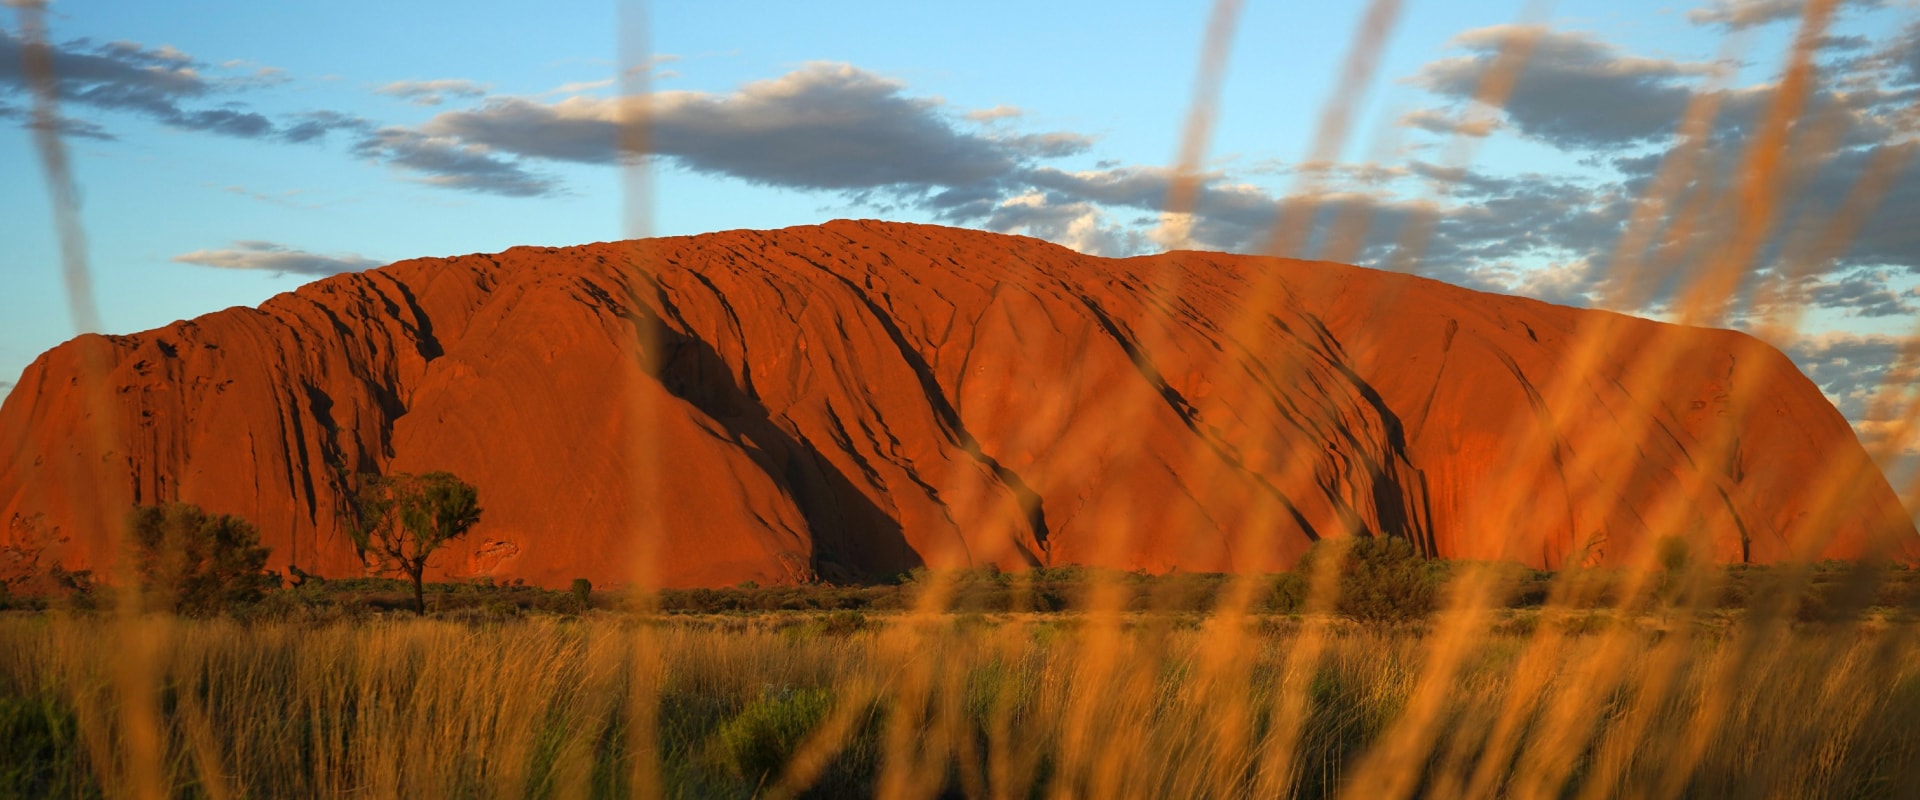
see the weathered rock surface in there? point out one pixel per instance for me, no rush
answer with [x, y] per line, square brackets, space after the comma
[850, 400]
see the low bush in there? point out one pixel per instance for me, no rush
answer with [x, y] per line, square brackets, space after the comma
[195, 563]
[43, 755]
[756, 744]
[1383, 580]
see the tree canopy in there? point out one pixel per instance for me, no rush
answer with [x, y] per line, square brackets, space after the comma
[399, 520]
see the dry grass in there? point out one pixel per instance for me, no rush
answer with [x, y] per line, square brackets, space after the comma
[540, 707]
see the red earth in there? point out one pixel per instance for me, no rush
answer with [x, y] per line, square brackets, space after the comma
[850, 400]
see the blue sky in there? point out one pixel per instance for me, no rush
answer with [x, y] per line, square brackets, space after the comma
[229, 151]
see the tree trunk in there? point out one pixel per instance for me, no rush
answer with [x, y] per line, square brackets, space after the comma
[419, 596]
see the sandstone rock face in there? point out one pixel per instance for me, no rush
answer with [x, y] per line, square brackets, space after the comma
[850, 400]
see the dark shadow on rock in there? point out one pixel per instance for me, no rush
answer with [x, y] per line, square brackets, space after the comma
[854, 540]
[1403, 511]
[956, 429]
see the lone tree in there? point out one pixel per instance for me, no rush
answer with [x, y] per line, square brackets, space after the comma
[195, 563]
[398, 520]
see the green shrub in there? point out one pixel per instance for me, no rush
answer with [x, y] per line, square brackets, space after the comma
[1383, 580]
[1675, 553]
[843, 623]
[43, 756]
[1289, 593]
[195, 563]
[755, 744]
[582, 590]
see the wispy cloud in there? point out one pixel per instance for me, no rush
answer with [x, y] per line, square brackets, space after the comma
[312, 125]
[1897, 60]
[434, 92]
[67, 126]
[994, 114]
[160, 83]
[1741, 14]
[285, 198]
[271, 257]
[1864, 293]
[1865, 378]
[125, 76]
[579, 86]
[1448, 124]
[451, 163]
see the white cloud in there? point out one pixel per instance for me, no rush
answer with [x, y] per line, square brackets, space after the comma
[993, 114]
[434, 92]
[579, 86]
[272, 257]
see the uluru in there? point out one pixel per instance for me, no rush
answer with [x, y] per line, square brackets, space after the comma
[847, 401]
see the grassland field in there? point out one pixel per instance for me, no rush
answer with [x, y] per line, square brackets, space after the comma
[1704, 687]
